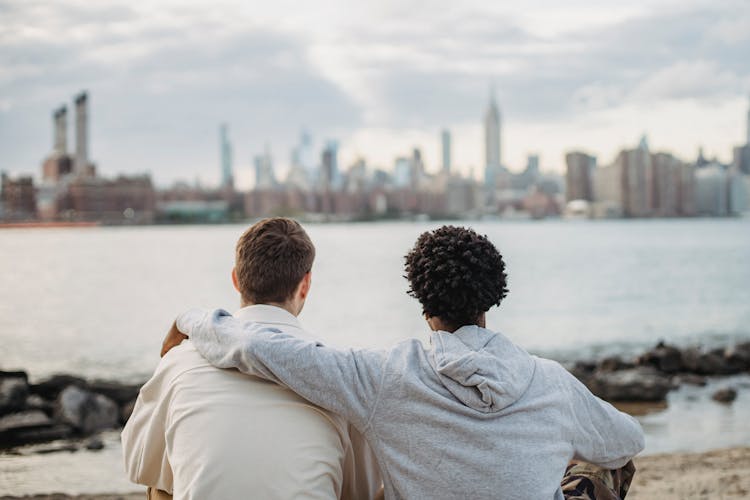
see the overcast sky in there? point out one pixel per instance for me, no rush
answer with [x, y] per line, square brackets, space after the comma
[380, 77]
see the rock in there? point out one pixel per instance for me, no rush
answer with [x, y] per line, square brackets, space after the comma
[85, 411]
[23, 420]
[70, 447]
[690, 379]
[120, 393]
[94, 444]
[613, 363]
[737, 357]
[726, 395]
[41, 434]
[14, 374]
[126, 410]
[582, 370]
[703, 363]
[663, 357]
[30, 426]
[634, 384]
[50, 389]
[13, 392]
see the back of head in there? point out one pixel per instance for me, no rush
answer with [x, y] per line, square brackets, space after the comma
[272, 257]
[456, 274]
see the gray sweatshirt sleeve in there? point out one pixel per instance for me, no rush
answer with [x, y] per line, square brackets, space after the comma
[346, 382]
[605, 436]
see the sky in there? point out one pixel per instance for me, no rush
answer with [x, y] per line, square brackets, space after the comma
[380, 77]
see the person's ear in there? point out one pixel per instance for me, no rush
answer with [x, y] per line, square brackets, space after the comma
[304, 286]
[235, 281]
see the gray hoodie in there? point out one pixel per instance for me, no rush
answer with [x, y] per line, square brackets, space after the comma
[473, 416]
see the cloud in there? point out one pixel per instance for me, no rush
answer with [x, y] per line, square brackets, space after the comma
[162, 76]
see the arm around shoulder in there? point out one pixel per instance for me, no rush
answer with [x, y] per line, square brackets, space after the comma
[345, 381]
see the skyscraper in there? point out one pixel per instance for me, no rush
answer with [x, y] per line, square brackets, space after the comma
[329, 174]
[578, 176]
[446, 143]
[264, 176]
[81, 159]
[492, 141]
[61, 129]
[225, 148]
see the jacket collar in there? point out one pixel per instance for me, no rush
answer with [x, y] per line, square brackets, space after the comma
[264, 313]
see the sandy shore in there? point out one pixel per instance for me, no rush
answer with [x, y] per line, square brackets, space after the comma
[676, 476]
[686, 476]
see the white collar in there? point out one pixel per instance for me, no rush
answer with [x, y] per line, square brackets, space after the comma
[264, 313]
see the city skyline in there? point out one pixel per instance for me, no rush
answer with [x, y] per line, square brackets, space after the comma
[380, 82]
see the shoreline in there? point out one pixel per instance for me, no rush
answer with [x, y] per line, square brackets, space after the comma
[68, 407]
[720, 473]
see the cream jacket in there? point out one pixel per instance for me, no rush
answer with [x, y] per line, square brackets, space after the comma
[201, 432]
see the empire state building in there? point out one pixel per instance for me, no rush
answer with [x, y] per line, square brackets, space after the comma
[492, 142]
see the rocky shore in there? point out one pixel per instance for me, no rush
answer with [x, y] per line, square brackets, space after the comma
[651, 375]
[61, 407]
[72, 409]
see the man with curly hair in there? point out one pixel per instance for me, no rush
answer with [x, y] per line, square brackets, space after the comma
[472, 415]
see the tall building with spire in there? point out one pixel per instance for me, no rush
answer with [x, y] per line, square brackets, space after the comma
[492, 151]
[225, 147]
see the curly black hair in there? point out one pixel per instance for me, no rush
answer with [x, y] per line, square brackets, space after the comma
[456, 274]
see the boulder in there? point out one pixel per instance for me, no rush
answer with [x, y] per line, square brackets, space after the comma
[697, 361]
[726, 395]
[120, 393]
[30, 427]
[612, 364]
[51, 387]
[36, 402]
[737, 357]
[13, 392]
[634, 384]
[14, 374]
[94, 444]
[582, 370]
[24, 420]
[85, 411]
[663, 357]
[690, 379]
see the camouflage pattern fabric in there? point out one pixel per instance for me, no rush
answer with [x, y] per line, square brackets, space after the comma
[583, 481]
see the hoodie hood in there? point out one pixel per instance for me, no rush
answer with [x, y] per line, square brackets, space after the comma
[482, 369]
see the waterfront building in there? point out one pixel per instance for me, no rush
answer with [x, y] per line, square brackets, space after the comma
[712, 190]
[225, 151]
[666, 182]
[402, 172]
[578, 176]
[265, 178]
[17, 198]
[741, 159]
[330, 177]
[445, 140]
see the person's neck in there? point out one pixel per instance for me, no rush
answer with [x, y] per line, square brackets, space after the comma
[285, 306]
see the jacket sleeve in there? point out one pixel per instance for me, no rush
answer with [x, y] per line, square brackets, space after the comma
[604, 435]
[143, 438]
[346, 382]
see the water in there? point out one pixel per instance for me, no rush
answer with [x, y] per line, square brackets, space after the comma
[97, 302]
